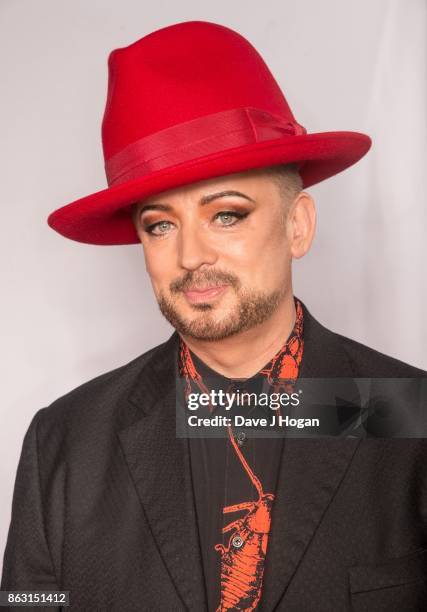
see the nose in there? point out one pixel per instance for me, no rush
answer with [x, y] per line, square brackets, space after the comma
[194, 249]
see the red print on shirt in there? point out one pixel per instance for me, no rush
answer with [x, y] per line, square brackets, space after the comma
[242, 560]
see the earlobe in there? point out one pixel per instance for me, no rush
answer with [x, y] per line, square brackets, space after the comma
[303, 224]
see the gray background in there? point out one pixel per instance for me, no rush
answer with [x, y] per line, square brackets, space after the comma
[72, 311]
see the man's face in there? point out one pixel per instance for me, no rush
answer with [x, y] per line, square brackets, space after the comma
[217, 253]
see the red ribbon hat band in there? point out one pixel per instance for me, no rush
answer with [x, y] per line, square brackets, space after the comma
[186, 103]
[196, 138]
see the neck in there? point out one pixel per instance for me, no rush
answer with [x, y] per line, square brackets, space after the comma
[243, 355]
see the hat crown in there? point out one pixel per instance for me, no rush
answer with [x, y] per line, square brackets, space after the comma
[180, 73]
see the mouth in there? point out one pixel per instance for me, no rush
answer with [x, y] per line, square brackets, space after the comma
[196, 296]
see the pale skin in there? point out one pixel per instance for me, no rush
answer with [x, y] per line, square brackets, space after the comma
[196, 235]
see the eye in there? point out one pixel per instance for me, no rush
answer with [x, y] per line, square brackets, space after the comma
[158, 229]
[228, 217]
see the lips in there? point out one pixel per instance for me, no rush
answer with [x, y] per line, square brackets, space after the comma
[205, 294]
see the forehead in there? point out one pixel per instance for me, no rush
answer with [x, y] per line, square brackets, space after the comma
[253, 183]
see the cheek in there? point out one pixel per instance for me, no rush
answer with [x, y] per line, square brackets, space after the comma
[258, 254]
[157, 268]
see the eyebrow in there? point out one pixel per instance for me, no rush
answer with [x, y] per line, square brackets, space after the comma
[223, 194]
[204, 200]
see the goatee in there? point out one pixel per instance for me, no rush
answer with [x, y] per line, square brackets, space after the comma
[253, 308]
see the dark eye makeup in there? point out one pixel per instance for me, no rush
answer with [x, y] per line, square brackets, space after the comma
[238, 216]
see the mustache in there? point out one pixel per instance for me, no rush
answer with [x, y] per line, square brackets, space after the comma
[201, 279]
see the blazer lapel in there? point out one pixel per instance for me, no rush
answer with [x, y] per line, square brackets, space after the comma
[160, 467]
[310, 474]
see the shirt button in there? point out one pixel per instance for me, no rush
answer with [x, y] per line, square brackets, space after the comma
[241, 437]
[237, 541]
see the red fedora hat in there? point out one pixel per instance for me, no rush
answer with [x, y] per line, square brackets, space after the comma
[186, 103]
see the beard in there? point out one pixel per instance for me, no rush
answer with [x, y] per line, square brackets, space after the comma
[252, 308]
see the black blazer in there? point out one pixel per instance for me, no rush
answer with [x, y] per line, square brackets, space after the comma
[103, 506]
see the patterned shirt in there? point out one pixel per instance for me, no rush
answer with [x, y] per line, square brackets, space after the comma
[235, 476]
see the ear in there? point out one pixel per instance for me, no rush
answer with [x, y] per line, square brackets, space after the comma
[301, 224]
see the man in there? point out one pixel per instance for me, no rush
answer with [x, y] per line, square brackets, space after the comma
[206, 168]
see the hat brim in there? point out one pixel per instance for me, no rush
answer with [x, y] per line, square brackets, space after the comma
[103, 218]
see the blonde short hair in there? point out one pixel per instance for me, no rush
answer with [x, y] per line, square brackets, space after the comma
[288, 178]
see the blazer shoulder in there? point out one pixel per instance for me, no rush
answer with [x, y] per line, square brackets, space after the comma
[103, 390]
[368, 362]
